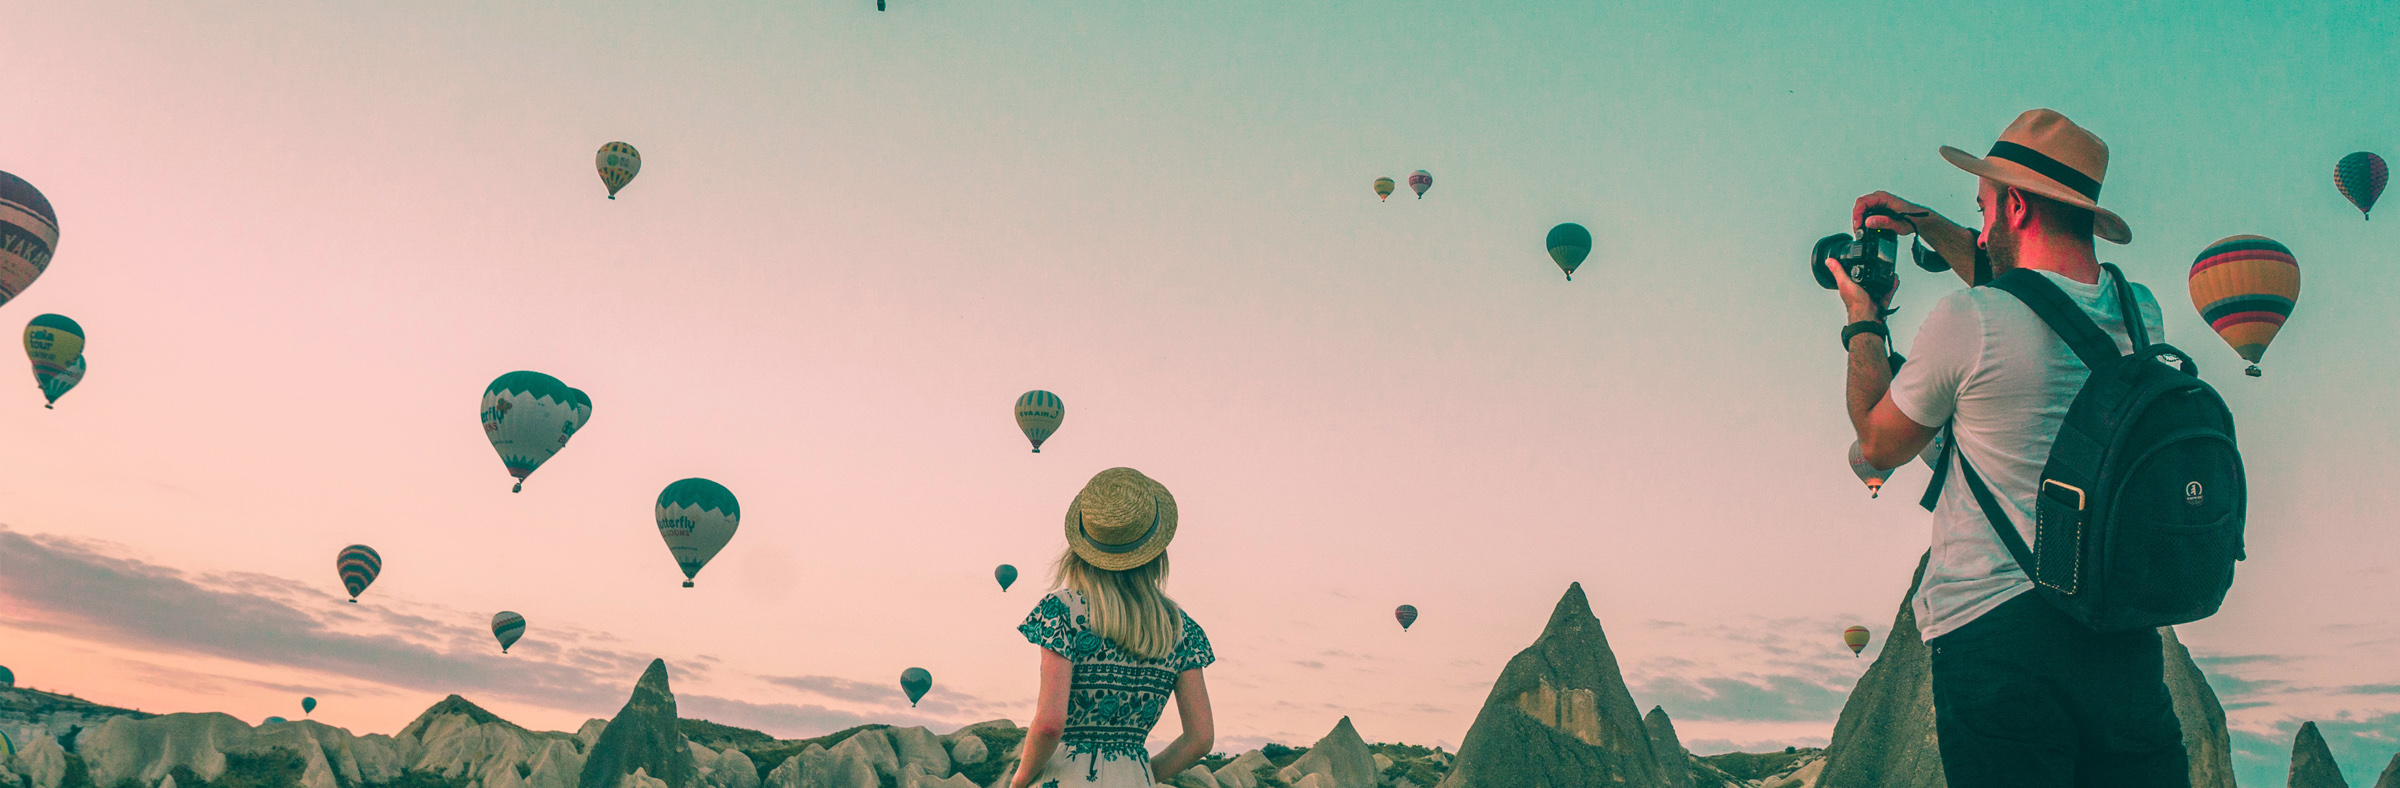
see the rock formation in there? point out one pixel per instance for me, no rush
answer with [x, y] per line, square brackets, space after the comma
[1674, 764]
[1559, 715]
[2207, 745]
[1242, 771]
[2391, 775]
[1885, 737]
[2312, 761]
[918, 747]
[643, 736]
[1341, 756]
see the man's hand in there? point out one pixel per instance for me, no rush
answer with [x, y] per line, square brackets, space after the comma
[1854, 298]
[1909, 212]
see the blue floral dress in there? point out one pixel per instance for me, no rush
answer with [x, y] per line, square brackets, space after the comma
[1115, 699]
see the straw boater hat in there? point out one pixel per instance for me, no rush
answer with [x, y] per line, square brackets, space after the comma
[2045, 153]
[1121, 520]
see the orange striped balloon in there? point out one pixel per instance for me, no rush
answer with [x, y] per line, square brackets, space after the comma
[1856, 639]
[2245, 287]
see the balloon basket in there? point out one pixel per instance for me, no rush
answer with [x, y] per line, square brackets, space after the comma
[1037, 449]
[354, 601]
[49, 407]
[517, 489]
[687, 583]
[2253, 371]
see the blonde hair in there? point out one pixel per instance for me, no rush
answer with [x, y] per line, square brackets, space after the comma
[1126, 607]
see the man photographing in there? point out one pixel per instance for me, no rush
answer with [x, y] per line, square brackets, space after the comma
[2025, 694]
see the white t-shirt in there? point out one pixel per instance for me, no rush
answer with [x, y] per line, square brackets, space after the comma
[1983, 358]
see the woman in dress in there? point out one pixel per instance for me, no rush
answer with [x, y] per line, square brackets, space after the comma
[1114, 648]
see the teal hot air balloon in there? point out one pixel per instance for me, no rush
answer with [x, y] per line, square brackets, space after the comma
[308, 705]
[1006, 574]
[358, 565]
[697, 517]
[507, 626]
[1039, 414]
[528, 416]
[915, 681]
[273, 720]
[8, 679]
[28, 234]
[57, 384]
[1569, 243]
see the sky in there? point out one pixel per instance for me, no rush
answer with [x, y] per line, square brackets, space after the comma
[301, 238]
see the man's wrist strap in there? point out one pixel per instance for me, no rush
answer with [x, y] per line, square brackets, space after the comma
[1875, 327]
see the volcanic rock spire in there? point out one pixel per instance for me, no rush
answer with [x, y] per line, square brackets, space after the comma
[1559, 715]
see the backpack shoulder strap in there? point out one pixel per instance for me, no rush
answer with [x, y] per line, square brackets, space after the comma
[2094, 346]
[2002, 527]
[2132, 312]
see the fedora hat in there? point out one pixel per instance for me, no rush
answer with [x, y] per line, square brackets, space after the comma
[1121, 520]
[2045, 153]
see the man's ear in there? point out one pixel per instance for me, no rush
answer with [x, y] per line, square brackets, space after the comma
[2016, 209]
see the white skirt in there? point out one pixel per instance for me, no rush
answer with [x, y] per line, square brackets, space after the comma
[1093, 770]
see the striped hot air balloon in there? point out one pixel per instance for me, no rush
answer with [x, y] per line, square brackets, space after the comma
[1406, 614]
[358, 565]
[8, 747]
[697, 517]
[28, 234]
[1383, 188]
[1419, 181]
[2245, 287]
[1856, 639]
[1569, 243]
[618, 163]
[1038, 414]
[528, 416]
[57, 384]
[507, 626]
[2360, 177]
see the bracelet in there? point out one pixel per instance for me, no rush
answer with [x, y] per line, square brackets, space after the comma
[1875, 327]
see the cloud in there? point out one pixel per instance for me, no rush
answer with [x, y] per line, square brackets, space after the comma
[2372, 689]
[838, 688]
[794, 721]
[942, 701]
[1768, 698]
[71, 587]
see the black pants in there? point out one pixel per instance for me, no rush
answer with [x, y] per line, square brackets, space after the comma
[2025, 697]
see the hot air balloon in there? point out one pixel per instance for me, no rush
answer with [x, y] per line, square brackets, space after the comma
[507, 626]
[358, 565]
[529, 416]
[915, 681]
[1856, 639]
[1932, 454]
[697, 517]
[52, 342]
[8, 678]
[1383, 188]
[308, 705]
[8, 748]
[2245, 287]
[2360, 177]
[57, 384]
[1038, 414]
[28, 234]
[618, 163]
[1867, 472]
[1407, 614]
[1419, 181]
[1569, 243]
[1006, 574]
[272, 720]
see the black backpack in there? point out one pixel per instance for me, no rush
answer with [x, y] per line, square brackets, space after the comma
[2139, 519]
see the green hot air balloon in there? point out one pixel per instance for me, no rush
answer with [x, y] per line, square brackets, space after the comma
[8, 679]
[529, 416]
[915, 681]
[8, 748]
[1038, 415]
[507, 626]
[697, 517]
[273, 720]
[308, 705]
[1569, 243]
[57, 384]
[358, 565]
[1006, 574]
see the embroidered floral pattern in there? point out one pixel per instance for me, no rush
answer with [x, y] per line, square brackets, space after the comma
[1116, 697]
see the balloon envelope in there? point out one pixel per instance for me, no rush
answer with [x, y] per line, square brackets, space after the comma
[8, 748]
[57, 384]
[52, 342]
[1006, 574]
[528, 416]
[1038, 414]
[28, 234]
[507, 627]
[618, 163]
[1383, 188]
[1569, 243]
[358, 565]
[308, 705]
[8, 678]
[2245, 287]
[2360, 177]
[273, 720]
[1419, 181]
[1407, 614]
[1868, 473]
[697, 517]
[915, 681]
[1855, 638]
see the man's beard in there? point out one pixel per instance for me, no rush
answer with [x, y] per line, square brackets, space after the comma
[1996, 255]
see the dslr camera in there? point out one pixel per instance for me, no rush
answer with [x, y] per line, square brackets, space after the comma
[1870, 258]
